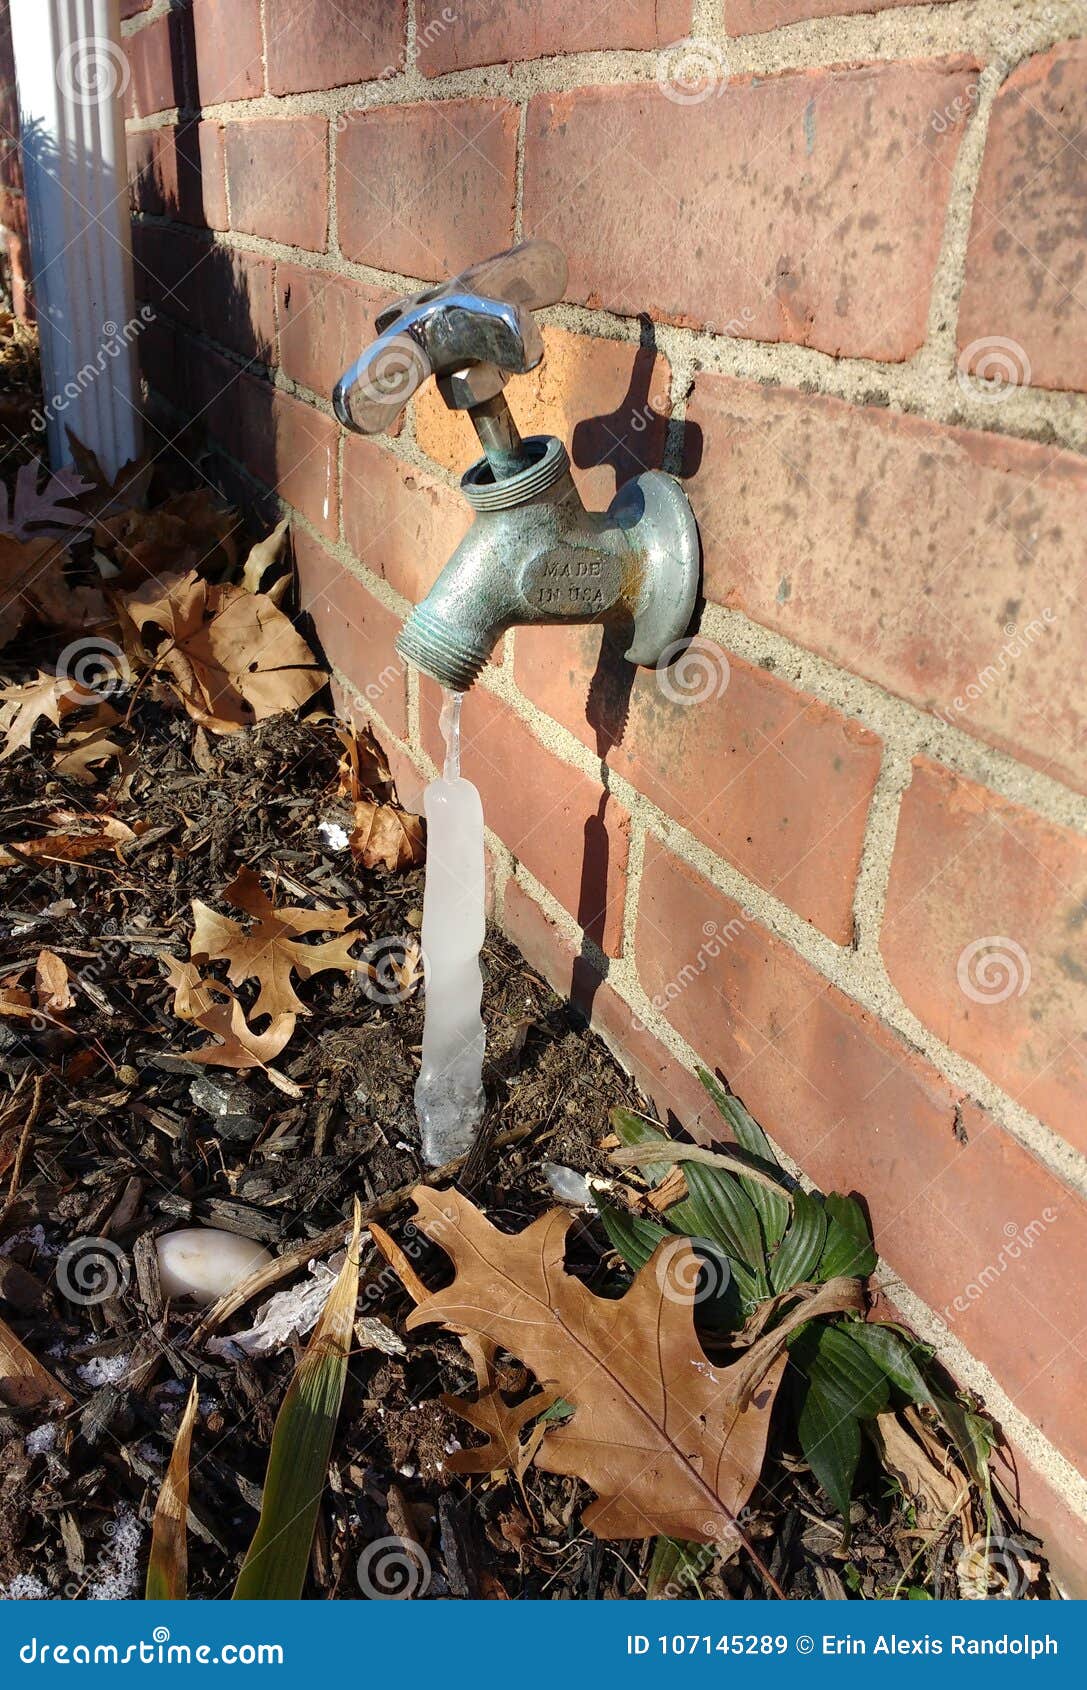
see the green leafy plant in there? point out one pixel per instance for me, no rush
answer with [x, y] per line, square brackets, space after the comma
[780, 1243]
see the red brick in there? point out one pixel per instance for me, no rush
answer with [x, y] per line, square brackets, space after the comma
[356, 631]
[1048, 1516]
[1024, 263]
[278, 174]
[145, 188]
[427, 189]
[401, 523]
[676, 1095]
[608, 399]
[754, 17]
[228, 50]
[307, 462]
[325, 322]
[186, 178]
[226, 294]
[942, 563]
[967, 866]
[805, 207]
[236, 409]
[130, 8]
[569, 833]
[327, 43]
[491, 32]
[766, 776]
[947, 1189]
[154, 55]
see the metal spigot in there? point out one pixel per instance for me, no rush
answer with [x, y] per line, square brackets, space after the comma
[534, 553]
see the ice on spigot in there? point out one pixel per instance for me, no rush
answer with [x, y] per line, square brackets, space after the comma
[449, 1097]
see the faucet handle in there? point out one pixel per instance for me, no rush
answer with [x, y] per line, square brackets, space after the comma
[471, 333]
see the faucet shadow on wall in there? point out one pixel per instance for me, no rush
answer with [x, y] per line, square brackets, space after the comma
[633, 437]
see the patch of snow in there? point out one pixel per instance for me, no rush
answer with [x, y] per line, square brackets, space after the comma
[24, 1587]
[34, 1235]
[42, 1439]
[333, 835]
[103, 1370]
[117, 1576]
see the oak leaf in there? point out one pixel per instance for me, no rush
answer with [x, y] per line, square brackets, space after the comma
[78, 837]
[51, 982]
[386, 836]
[209, 1005]
[364, 770]
[47, 698]
[270, 951]
[506, 1450]
[187, 532]
[38, 507]
[232, 657]
[668, 1440]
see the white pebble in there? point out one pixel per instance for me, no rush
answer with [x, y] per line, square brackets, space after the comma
[206, 1264]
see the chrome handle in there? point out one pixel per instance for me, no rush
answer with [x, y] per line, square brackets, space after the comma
[470, 333]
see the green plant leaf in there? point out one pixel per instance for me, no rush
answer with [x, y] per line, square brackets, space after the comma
[892, 1355]
[844, 1370]
[275, 1567]
[973, 1437]
[773, 1211]
[848, 1250]
[168, 1566]
[635, 1129]
[831, 1443]
[798, 1253]
[634, 1237]
[718, 1208]
[677, 1568]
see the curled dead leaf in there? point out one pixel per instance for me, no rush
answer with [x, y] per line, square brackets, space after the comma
[385, 836]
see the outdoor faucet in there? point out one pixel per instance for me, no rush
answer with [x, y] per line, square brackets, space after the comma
[534, 553]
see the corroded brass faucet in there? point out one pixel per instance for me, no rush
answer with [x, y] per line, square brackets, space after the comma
[534, 553]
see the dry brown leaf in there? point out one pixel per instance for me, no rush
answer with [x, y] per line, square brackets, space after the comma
[383, 835]
[51, 983]
[24, 1382]
[263, 556]
[506, 1451]
[82, 752]
[190, 531]
[48, 698]
[364, 771]
[270, 950]
[938, 1486]
[657, 1429]
[209, 1005]
[38, 505]
[78, 837]
[232, 656]
[17, 1004]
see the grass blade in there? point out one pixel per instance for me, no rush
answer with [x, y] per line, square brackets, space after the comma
[275, 1567]
[168, 1568]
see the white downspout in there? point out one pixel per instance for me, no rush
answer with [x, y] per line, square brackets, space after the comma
[72, 73]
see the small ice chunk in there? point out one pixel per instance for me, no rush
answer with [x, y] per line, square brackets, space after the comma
[568, 1185]
[333, 835]
[116, 1577]
[205, 1263]
[103, 1370]
[41, 1439]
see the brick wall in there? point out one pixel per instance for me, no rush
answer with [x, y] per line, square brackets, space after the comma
[840, 853]
[13, 251]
